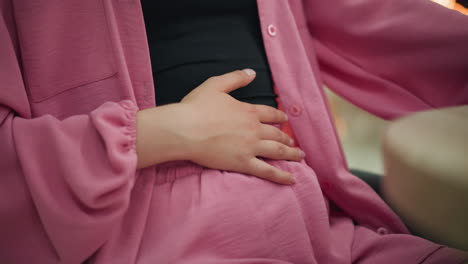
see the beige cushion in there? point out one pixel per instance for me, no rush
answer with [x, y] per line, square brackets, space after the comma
[426, 172]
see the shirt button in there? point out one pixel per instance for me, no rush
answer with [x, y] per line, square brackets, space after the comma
[272, 30]
[295, 110]
[382, 231]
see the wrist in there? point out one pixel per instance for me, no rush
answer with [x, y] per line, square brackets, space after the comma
[158, 135]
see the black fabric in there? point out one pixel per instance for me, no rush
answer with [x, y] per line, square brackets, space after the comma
[463, 3]
[191, 41]
[374, 180]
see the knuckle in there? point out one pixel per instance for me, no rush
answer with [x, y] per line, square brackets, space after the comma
[280, 136]
[250, 140]
[253, 126]
[268, 112]
[281, 176]
[223, 79]
[253, 166]
[252, 109]
[213, 78]
[241, 158]
[281, 150]
[255, 169]
[294, 154]
[269, 172]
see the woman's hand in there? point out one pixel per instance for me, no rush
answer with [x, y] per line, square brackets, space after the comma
[224, 133]
[211, 128]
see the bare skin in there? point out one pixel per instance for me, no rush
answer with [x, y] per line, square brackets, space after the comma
[211, 128]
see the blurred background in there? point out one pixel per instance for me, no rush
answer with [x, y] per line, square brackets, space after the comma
[359, 131]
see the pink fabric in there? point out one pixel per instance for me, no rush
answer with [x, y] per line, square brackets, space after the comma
[200, 215]
[74, 73]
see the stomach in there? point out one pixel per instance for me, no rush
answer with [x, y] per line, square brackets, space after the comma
[204, 214]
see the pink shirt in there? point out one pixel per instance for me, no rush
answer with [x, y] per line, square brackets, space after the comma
[73, 74]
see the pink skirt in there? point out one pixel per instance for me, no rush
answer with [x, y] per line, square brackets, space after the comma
[201, 215]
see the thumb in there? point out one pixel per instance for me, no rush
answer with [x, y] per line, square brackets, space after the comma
[231, 81]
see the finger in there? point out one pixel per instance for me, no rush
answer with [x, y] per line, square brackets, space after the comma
[261, 169]
[269, 132]
[268, 114]
[274, 150]
[230, 81]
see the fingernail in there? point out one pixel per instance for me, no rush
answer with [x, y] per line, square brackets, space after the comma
[249, 72]
[291, 142]
[292, 180]
[303, 154]
[286, 117]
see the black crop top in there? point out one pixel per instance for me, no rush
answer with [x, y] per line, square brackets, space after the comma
[191, 41]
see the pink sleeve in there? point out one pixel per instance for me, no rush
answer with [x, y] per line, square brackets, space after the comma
[64, 185]
[391, 57]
